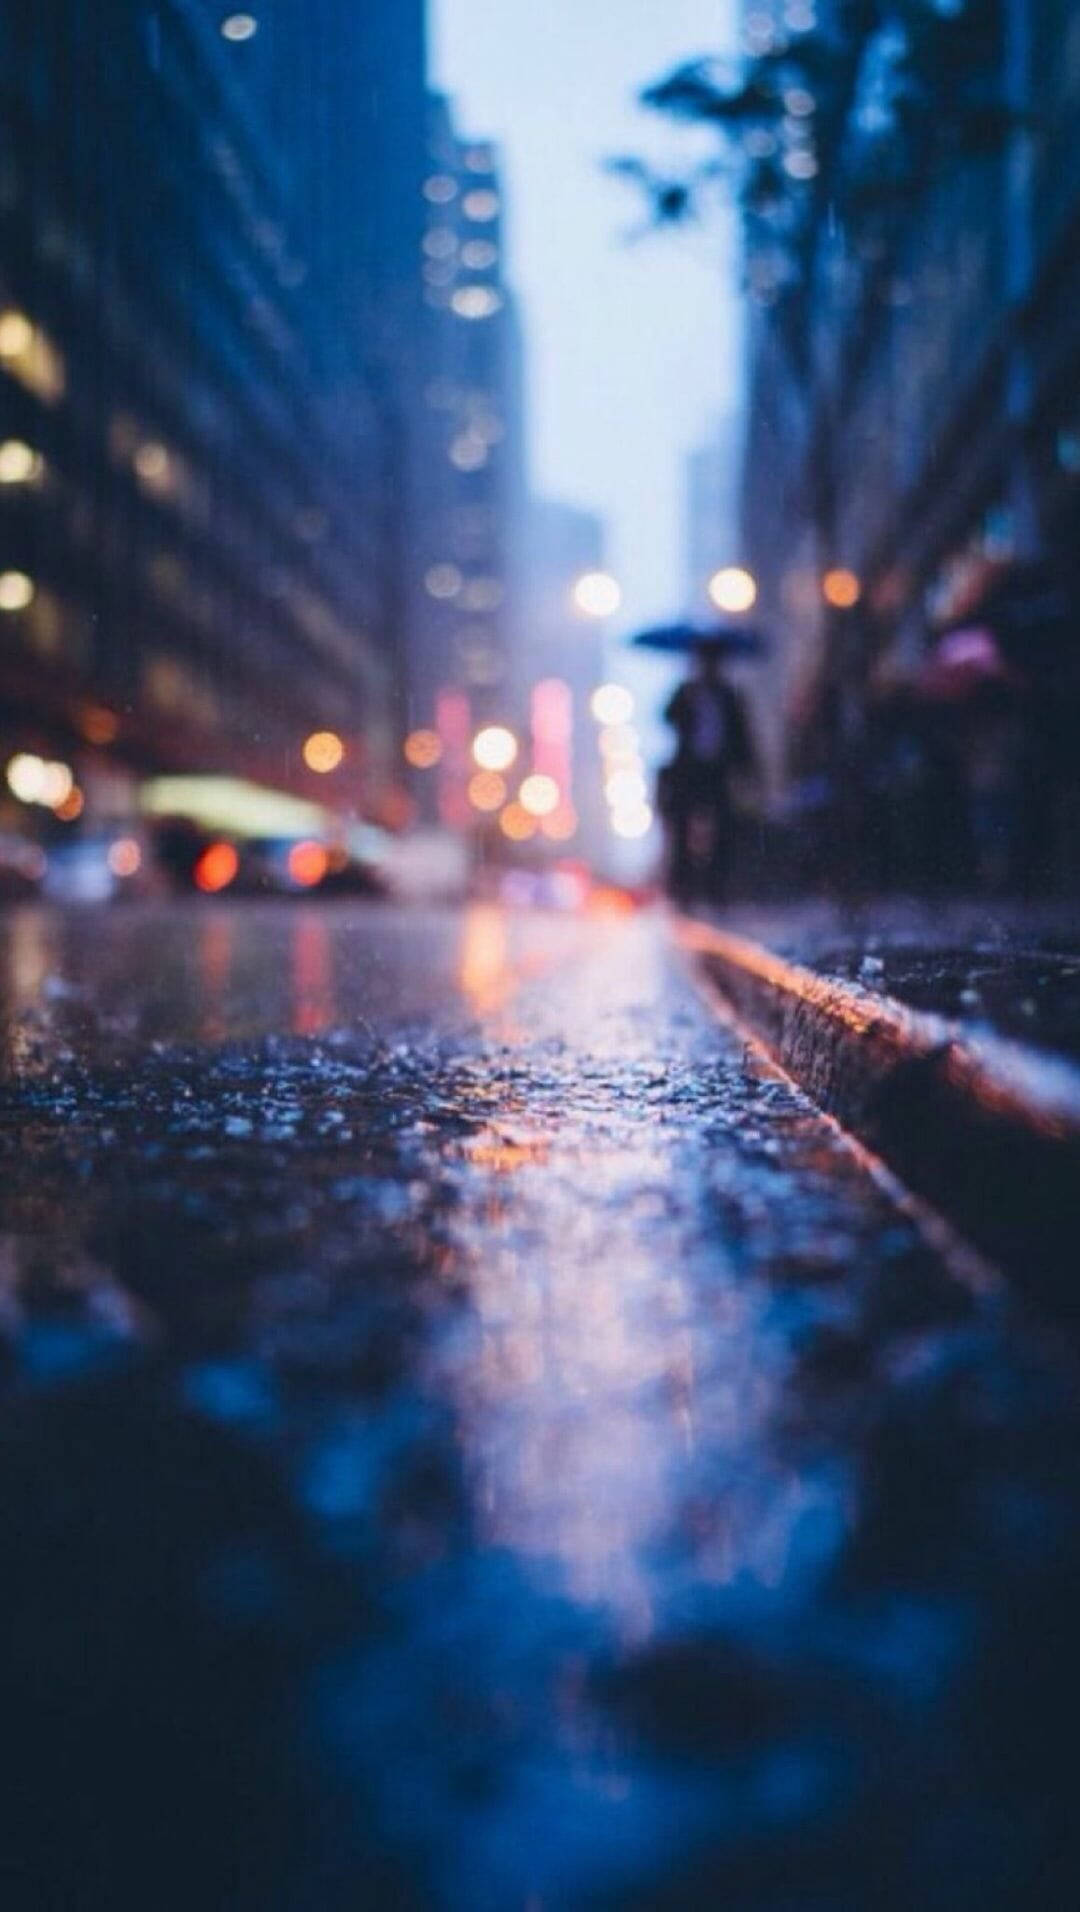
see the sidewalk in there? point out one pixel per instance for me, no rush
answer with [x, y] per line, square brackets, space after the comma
[946, 1040]
[1006, 967]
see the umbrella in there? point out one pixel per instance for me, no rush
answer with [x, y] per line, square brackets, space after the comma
[729, 640]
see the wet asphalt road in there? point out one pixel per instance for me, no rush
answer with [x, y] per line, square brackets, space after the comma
[472, 1437]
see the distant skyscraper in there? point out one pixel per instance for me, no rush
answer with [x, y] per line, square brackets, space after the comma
[557, 646]
[471, 470]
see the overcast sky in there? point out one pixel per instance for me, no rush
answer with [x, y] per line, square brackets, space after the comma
[631, 349]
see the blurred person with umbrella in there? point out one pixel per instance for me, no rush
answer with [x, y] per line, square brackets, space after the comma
[714, 744]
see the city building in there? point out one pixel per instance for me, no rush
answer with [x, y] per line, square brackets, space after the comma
[466, 625]
[560, 663]
[211, 334]
[942, 409]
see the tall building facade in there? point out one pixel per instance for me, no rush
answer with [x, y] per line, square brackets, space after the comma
[211, 335]
[950, 364]
[466, 563]
[559, 664]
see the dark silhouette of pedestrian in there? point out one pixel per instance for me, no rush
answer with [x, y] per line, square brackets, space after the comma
[714, 744]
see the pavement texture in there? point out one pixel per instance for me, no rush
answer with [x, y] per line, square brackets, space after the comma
[999, 967]
[473, 1436]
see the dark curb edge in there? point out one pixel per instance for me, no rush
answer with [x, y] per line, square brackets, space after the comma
[984, 1129]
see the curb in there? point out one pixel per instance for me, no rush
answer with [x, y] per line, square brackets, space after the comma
[985, 1130]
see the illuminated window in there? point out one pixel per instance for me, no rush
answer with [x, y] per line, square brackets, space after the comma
[19, 463]
[468, 453]
[442, 581]
[440, 242]
[239, 27]
[440, 189]
[487, 427]
[30, 356]
[16, 591]
[16, 335]
[799, 102]
[479, 159]
[481, 205]
[800, 163]
[476, 301]
[153, 467]
[482, 594]
[479, 254]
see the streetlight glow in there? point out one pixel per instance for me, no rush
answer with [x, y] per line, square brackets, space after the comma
[612, 705]
[561, 825]
[487, 791]
[16, 590]
[323, 752]
[539, 795]
[19, 463]
[625, 789]
[841, 588]
[597, 594]
[633, 822]
[517, 824]
[732, 589]
[422, 749]
[495, 747]
[239, 27]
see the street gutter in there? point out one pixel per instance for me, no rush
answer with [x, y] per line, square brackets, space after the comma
[981, 1127]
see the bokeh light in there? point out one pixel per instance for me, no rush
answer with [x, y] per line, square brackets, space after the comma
[619, 745]
[57, 784]
[124, 857]
[442, 581]
[16, 334]
[19, 463]
[487, 790]
[612, 705]
[239, 27]
[539, 795]
[516, 823]
[841, 588]
[216, 868]
[561, 825]
[632, 822]
[597, 594]
[25, 775]
[625, 789]
[422, 749]
[98, 724]
[72, 807]
[308, 864]
[495, 747]
[733, 589]
[323, 751]
[16, 590]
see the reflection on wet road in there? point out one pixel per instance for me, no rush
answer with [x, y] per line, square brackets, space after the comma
[475, 1438]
